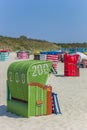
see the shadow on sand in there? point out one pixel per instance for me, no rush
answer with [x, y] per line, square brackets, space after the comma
[59, 75]
[4, 112]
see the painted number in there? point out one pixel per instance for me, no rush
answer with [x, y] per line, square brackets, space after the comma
[16, 77]
[17, 80]
[34, 68]
[23, 78]
[39, 69]
[45, 68]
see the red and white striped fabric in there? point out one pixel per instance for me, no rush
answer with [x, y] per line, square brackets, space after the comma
[22, 55]
[54, 58]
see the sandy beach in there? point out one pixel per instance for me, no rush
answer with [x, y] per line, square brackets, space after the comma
[72, 94]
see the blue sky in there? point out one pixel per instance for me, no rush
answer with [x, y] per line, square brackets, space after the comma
[51, 20]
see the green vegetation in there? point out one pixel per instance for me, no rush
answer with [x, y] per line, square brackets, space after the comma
[72, 45]
[24, 43]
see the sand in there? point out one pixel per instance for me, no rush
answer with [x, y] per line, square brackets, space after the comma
[72, 94]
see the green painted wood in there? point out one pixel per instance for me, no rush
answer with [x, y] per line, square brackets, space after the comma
[32, 71]
[32, 101]
[17, 107]
[44, 100]
[19, 75]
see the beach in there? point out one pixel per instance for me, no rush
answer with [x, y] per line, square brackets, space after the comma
[72, 96]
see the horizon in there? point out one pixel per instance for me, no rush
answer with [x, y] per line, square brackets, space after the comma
[45, 40]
